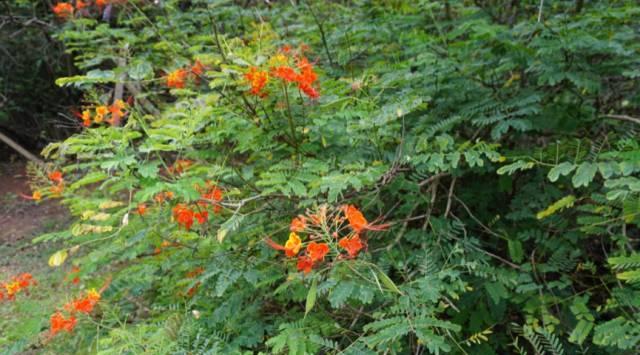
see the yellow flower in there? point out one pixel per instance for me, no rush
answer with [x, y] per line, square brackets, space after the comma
[102, 110]
[293, 244]
[278, 60]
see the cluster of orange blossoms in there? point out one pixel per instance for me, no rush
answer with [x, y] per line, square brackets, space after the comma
[17, 284]
[283, 66]
[180, 166]
[339, 229]
[161, 197]
[66, 10]
[85, 304]
[58, 187]
[111, 114]
[177, 79]
[185, 215]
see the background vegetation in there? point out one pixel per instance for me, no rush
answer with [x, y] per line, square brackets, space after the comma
[497, 140]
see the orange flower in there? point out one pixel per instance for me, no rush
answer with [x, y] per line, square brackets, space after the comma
[12, 288]
[93, 295]
[86, 118]
[116, 112]
[356, 218]
[55, 176]
[180, 166]
[176, 78]
[57, 190]
[102, 3]
[352, 245]
[293, 244]
[63, 10]
[192, 291]
[306, 78]
[317, 251]
[201, 216]
[195, 272]
[141, 209]
[102, 110]
[305, 264]
[309, 90]
[197, 68]
[160, 197]
[25, 280]
[60, 323]
[285, 73]
[36, 195]
[183, 215]
[257, 79]
[298, 224]
[213, 196]
[85, 304]
[81, 4]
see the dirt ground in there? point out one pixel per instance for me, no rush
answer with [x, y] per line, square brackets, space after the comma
[21, 220]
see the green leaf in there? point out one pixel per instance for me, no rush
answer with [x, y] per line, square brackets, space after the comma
[580, 332]
[311, 297]
[559, 205]
[562, 169]
[585, 174]
[515, 250]
[388, 283]
[141, 71]
[512, 168]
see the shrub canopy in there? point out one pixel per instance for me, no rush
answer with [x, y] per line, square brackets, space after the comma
[354, 177]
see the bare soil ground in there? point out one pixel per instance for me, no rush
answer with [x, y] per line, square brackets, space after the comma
[21, 220]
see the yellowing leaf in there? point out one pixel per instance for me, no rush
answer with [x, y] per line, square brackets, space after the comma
[110, 204]
[58, 258]
[222, 233]
[100, 216]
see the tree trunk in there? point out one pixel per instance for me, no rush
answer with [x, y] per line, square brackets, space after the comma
[18, 148]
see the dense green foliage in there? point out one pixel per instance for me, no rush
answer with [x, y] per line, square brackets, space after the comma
[33, 109]
[497, 138]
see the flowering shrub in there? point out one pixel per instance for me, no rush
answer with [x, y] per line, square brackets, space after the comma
[17, 284]
[335, 229]
[357, 178]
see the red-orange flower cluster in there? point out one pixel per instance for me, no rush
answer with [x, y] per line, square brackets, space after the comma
[177, 79]
[283, 66]
[63, 10]
[56, 177]
[163, 196]
[211, 195]
[180, 166]
[59, 323]
[258, 79]
[329, 228]
[66, 10]
[84, 304]
[15, 285]
[111, 114]
[184, 215]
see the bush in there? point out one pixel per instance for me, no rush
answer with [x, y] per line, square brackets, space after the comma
[359, 177]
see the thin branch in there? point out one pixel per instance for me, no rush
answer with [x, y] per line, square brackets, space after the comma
[18, 148]
[624, 118]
